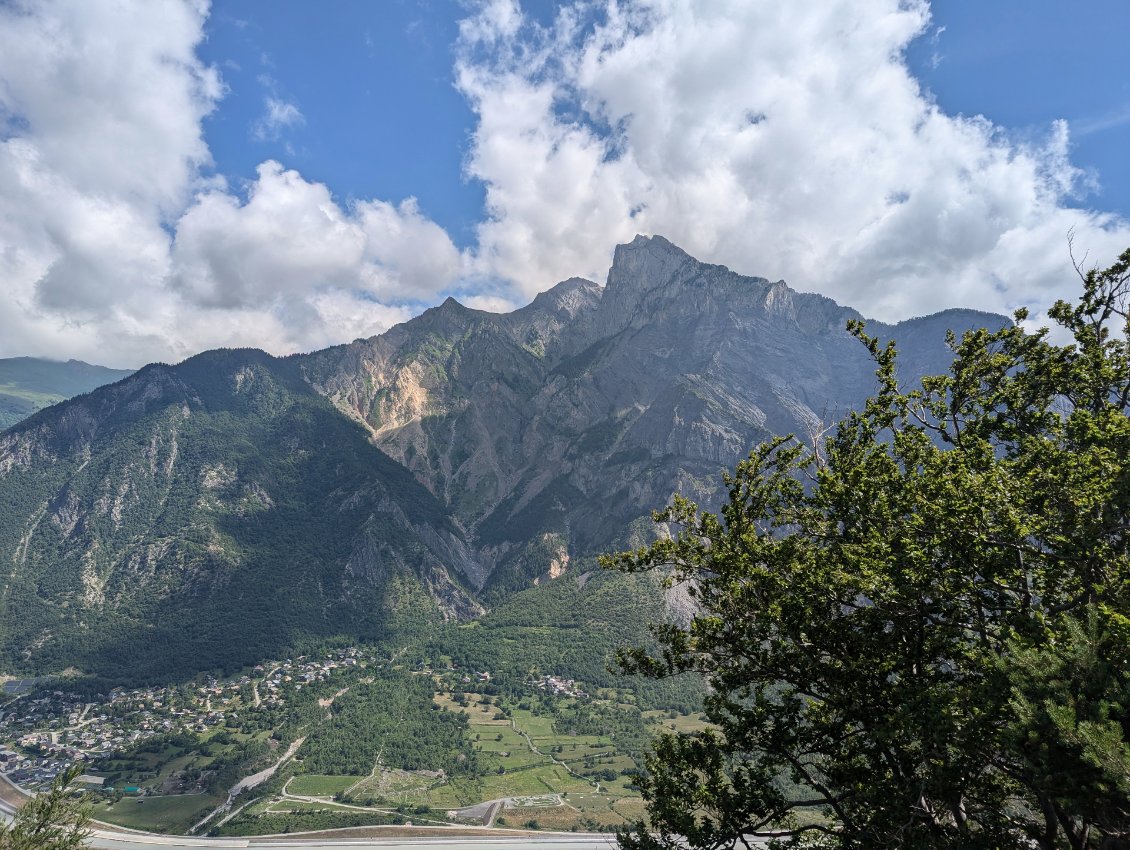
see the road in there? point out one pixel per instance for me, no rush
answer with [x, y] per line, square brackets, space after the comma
[106, 841]
[250, 782]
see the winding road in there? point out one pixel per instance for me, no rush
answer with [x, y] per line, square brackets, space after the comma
[250, 782]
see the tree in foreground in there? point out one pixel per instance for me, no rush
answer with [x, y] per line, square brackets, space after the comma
[917, 632]
[52, 820]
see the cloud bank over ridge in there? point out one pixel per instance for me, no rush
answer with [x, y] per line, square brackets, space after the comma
[784, 140]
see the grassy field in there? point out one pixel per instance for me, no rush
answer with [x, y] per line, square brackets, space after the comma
[173, 814]
[396, 788]
[318, 785]
[535, 760]
[678, 723]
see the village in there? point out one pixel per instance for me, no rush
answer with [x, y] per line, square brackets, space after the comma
[43, 732]
[560, 686]
[183, 758]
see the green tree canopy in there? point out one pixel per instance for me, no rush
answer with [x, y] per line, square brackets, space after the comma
[917, 631]
[52, 820]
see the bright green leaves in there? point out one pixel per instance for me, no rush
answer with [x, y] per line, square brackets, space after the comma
[1069, 702]
[918, 633]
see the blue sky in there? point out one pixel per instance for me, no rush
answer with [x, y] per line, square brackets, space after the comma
[382, 116]
[178, 174]
[1027, 63]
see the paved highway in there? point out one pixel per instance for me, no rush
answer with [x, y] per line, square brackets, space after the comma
[120, 841]
[105, 840]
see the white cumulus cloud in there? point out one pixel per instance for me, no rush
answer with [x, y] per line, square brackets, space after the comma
[117, 242]
[783, 139]
[292, 251]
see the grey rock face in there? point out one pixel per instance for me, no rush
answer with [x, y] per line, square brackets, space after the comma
[580, 413]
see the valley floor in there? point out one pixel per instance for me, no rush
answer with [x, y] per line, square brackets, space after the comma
[351, 739]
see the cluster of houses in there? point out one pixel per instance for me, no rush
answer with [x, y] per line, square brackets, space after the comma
[44, 732]
[560, 687]
[40, 735]
[301, 671]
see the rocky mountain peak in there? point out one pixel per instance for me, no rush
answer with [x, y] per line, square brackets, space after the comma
[447, 318]
[646, 262]
[652, 283]
[569, 297]
[650, 273]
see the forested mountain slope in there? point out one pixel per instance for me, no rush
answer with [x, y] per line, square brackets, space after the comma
[207, 514]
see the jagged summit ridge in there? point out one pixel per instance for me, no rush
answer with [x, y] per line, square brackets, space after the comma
[649, 272]
[668, 373]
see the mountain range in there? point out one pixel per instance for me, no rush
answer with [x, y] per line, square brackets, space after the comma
[28, 384]
[215, 512]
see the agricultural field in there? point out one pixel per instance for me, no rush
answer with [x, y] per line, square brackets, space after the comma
[672, 721]
[530, 753]
[560, 760]
[173, 814]
[315, 785]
